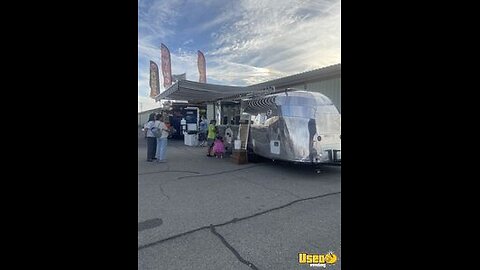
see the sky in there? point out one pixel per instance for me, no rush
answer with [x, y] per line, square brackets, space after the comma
[244, 41]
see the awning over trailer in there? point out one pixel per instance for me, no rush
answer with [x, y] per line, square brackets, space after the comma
[200, 92]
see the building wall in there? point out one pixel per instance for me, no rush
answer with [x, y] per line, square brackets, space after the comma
[331, 88]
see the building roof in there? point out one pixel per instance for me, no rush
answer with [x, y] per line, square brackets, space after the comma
[203, 92]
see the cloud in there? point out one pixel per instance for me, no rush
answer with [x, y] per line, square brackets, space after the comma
[282, 36]
[232, 73]
[220, 19]
[245, 42]
[158, 14]
[146, 103]
[188, 42]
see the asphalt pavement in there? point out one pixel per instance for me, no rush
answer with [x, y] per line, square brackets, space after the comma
[199, 212]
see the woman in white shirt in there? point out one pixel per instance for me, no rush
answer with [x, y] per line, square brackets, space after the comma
[161, 141]
[151, 139]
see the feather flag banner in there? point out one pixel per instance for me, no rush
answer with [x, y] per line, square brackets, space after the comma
[154, 80]
[166, 66]
[202, 68]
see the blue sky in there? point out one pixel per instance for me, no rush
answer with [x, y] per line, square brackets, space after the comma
[244, 41]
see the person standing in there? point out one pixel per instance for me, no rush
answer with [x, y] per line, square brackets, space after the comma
[151, 139]
[202, 136]
[212, 134]
[219, 147]
[162, 140]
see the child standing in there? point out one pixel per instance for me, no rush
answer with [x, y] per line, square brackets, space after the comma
[218, 147]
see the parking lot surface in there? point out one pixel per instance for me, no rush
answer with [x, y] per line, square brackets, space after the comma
[199, 212]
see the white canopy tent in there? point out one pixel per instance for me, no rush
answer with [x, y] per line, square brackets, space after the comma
[196, 92]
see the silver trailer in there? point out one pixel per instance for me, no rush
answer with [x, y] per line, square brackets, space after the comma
[296, 126]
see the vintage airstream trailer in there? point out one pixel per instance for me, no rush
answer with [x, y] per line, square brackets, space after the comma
[296, 126]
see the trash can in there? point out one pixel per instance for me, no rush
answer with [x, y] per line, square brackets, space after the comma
[191, 139]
